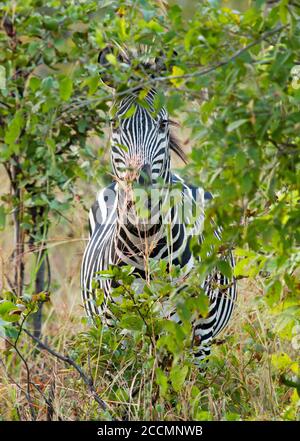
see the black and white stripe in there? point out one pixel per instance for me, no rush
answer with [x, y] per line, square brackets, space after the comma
[138, 141]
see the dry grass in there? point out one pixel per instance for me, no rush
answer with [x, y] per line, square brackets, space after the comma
[240, 381]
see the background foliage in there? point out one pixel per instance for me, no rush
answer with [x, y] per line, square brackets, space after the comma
[231, 78]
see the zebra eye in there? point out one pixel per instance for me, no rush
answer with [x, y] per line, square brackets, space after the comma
[163, 124]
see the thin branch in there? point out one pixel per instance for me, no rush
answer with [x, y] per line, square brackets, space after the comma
[50, 409]
[198, 73]
[8, 171]
[141, 315]
[29, 382]
[209, 69]
[47, 401]
[65, 358]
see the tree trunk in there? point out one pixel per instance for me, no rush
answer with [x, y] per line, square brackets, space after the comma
[19, 248]
[37, 215]
[18, 254]
[39, 287]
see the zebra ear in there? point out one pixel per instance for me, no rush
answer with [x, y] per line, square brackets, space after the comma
[106, 65]
[161, 64]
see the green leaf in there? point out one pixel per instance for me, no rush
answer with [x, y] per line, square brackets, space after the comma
[14, 128]
[133, 322]
[273, 292]
[99, 38]
[93, 84]
[162, 381]
[283, 11]
[111, 59]
[34, 83]
[177, 71]
[281, 361]
[65, 88]
[154, 26]
[11, 331]
[235, 124]
[246, 183]
[224, 268]
[202, 302]
[130, 112]
[51, 144]
[178, 375]
[9, 311]
[2, 77]
[64, 46]
[2, 217]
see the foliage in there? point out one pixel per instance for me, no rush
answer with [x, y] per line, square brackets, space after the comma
[232, 79]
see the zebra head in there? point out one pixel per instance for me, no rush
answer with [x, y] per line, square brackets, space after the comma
[140, 142]
[140, 135]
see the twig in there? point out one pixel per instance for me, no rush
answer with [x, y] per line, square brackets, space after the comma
[65, 358]
[197, 73]
[141, 315]
[29, 382]
[209, 69]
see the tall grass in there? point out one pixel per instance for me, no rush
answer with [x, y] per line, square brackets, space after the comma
[240, 382]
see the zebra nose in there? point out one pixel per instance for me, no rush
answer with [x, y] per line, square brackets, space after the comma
[145, 177]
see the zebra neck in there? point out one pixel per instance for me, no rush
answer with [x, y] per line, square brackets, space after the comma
[135, 246]
[136, 243]
[137, 235]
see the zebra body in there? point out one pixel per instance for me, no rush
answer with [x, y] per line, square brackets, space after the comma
[119, 236]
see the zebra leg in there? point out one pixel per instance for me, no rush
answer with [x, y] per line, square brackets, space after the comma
[202, 339]
[203, 330]
[222, 295]
[201, 346]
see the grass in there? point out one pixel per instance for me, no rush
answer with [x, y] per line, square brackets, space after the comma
[241, 381]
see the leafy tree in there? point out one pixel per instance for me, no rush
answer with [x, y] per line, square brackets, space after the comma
[48, 112]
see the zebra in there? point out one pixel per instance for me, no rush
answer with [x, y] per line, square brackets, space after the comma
[141, 145]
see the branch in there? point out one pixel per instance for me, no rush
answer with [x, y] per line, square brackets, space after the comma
[110, 96]
[65, 358]
[29, 382]
[209, 69]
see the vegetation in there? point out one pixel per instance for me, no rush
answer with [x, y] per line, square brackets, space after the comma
[231, 78]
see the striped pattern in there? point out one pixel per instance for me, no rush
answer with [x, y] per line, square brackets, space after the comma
[142, 138]
[118, 236]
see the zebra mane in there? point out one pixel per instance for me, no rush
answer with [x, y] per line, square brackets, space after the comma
[174, 144]
[175, 147]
